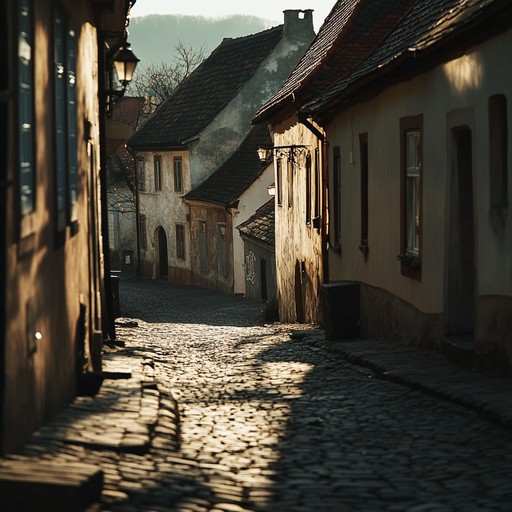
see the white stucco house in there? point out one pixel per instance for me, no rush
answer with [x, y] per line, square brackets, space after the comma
[192, 135]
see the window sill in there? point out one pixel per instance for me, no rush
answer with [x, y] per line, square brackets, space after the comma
[410, 266]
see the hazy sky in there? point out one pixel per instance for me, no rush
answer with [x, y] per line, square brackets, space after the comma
[267, 9]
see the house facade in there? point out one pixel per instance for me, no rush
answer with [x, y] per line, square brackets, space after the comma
[53, 316]
[225, 199]
[258, 236]
[416, 173]
[420, 183]
[192, 135]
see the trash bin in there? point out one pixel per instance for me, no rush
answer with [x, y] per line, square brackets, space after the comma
[340, 310]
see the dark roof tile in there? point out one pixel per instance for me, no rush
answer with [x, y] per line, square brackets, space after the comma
[425, 29]
[353, 30]
[261, 225]
[207, 90]
[239, 171]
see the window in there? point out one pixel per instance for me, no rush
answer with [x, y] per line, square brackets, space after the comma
[66, 148]
[289, 165]
[279, 182]
[26, 153]
[178, 174]
[317, 184]
[308, 189]
[143, 237]
[363, 150]
[180, 241]
[141, 175]
[158, 175]
[223, 250]
[203, 250]
[411, 192]
[498, 151]
[337, 195]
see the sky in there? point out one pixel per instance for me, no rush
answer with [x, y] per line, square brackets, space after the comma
[267, 9]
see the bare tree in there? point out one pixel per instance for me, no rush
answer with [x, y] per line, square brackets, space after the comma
[155, 82]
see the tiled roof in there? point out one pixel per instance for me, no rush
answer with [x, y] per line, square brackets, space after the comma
[261, 225]
[237, 174]
[349, 34]
[207, 90]
[127, 110]
[421, 34]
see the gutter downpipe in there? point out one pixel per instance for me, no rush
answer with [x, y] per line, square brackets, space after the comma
[303, 119]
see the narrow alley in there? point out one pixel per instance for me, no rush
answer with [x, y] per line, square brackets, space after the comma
[270, 423]
[260, 418]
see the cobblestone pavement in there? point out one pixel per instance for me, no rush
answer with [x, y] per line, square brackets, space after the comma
[251, 418]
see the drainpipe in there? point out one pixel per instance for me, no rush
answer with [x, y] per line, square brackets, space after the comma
[303, 119]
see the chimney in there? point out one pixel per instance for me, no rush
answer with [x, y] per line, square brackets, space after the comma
[298, 23]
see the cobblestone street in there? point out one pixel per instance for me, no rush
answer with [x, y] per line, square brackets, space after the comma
[205, 410]
[274, 423]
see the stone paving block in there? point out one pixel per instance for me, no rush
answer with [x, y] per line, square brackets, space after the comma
[38, 485]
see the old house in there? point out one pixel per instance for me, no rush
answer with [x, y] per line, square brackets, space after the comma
[192, 135]
[53, 316]
[226, 198]
[420, 179]
[349, 33]
[258, 235]
[127, 114]
[416, 171]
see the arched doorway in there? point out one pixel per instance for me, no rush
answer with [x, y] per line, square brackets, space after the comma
[162, 263]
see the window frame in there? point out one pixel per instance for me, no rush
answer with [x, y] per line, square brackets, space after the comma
[279, 181]
[498, 152]
[308, 189]
[65, 121]
[289, 168]
[141, 174]
[203, 245]
[180, 242]
[26, 153]
[222, 248]
[177, 165]
[337, 190]
[143, 233]
[410, 259]
[363, 157]
[157, 172]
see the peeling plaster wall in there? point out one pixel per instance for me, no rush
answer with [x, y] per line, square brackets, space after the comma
[165, 209]
[298, 246]
[220, 139]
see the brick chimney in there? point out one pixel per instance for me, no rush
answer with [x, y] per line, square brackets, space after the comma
[298, 23]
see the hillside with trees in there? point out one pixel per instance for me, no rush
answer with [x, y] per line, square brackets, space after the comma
[154, 38]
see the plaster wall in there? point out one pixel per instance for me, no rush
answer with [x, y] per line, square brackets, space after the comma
[465, 83]
[165, 208]
[254, 197]
[298, 245]
[454, 94]
[220, 139]
[48, 271]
